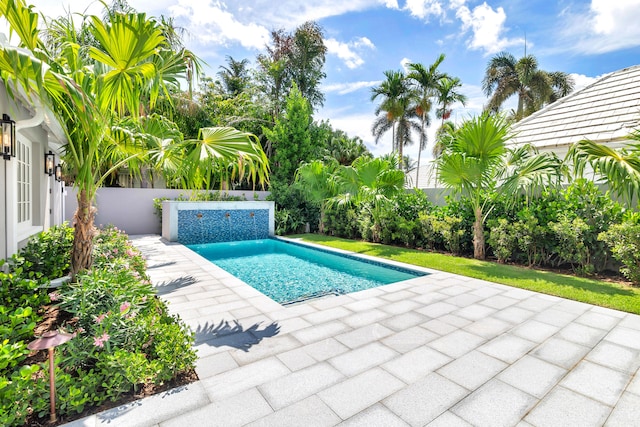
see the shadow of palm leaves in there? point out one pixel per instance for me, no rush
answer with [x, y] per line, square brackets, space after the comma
[233, 334]
[172, 285]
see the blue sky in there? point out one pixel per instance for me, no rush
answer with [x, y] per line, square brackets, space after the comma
[367, 37]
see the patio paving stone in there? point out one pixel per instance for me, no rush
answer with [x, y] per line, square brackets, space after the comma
[312, 410]
[624, 336]
[597, 382]
[416, 364]
[234, 411]
[358, 393]
[365, 318]
[534, 330]
[494, 404]
[409, 339]
[325, 349]
[376, 415]
[626, 412]
[356, 361]
[533, 376]
[449, 419]
[457, 343]
[561, 352]
[565, 408]
[615, 356]
[424, 400]
[488, 328]
[364, 335]
[507, 347]
[243, 378]
[299, 385]
[473, 369]
[404, 321]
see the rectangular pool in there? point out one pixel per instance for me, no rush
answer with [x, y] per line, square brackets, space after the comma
[288, 272]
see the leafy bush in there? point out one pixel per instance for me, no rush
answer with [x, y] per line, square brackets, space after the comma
[124, 336]
[624, 241]
[502, 239]
[571, 248]
[341, 221]
[48, 255]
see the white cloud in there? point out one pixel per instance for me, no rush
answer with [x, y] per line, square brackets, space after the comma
[487, 26]
[424, 9]
[404, 62]
[345, 88]
[456, 4]
[349, 52]
[582, 81]
[391, 4]
[211, 22]
[606, 27]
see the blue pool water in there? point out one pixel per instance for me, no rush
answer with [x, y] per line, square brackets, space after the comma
[289, 272]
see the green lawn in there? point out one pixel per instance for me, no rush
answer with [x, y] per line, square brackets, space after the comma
[591, 291]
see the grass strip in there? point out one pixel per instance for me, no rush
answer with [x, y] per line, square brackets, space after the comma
[597, 292]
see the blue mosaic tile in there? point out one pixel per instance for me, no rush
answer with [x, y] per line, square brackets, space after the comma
[220, 225]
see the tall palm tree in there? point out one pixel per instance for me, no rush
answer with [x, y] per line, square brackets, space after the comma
[448, 95]
[505, 76]
[427, 81]
[477, 164]
[395, 111]
[235, 76]
[100, 93]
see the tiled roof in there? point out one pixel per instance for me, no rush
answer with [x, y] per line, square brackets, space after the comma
[606, 111]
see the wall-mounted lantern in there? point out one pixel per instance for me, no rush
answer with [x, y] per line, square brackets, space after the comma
[58, 173]
[49, 161]
[8, 137]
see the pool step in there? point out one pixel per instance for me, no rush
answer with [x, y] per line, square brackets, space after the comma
[314, 295]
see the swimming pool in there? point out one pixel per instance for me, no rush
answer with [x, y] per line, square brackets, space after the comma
[289, 272]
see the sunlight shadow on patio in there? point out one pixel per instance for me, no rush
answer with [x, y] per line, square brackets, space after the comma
[233, 334]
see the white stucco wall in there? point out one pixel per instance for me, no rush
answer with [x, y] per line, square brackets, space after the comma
[131, 209]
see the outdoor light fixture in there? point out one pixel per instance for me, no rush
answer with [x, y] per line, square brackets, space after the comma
[49, 160]
[49, 341]
[8, 137]
[58, 173]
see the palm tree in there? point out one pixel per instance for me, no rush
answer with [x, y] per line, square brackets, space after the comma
[100, 93]
[395, 110]
[505, 77]
[448, 95]
[620, 167]
[235, 76]
[477, 164]
[427, 81]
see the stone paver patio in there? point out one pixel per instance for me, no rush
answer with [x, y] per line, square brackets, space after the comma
[439, 350]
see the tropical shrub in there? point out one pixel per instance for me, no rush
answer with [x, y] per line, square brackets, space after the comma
[50, 254]
[342, 221]
[624, 241]
[124, 336]
[502, 239]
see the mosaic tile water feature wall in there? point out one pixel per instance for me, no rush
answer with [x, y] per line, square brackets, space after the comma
[214, 226]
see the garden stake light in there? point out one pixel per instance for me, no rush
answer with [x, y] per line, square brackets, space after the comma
[49, 341]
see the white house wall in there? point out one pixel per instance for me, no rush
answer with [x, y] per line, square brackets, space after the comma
[46, 193]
